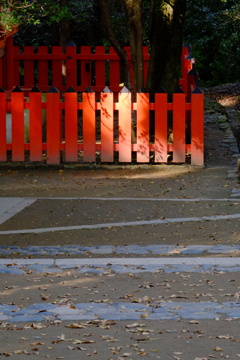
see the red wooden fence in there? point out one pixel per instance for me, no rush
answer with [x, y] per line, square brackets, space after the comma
[80, 67]
[77, 125]
[82, 130]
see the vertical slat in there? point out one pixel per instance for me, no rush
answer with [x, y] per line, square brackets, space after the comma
[142, 127]
[197, 127]
[106, 103]
[1, 71]
[9, 64]
[57, 67]
[28, 68]
[114, 72]
[179, 126]
[3, 129]
[43, 71]
[89, 125]
[125, 125]
[71, 66]
[100, 67]
[145, 64]
[85, 68]
[35, 108]
[53, 126]
[17, 104]
[161, 127]
[16, 67]
[71, 125]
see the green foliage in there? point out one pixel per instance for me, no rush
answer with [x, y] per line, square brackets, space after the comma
[213, 29]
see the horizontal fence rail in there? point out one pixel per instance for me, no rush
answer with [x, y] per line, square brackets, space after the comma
[82, 127]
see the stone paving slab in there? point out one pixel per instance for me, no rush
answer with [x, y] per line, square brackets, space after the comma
[120, 311]
[119, 250]
[10, 206]
[122, 265]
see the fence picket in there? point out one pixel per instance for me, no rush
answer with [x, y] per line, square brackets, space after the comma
[161, 127]
[58, 68]
[53, 126]
[197, 128]
[36, 115]
[17, 109]
[100, 68]
[16, 68]
[3, 132]
[142, 127]
[114, 72]
[85, 68]
[43, 71]
[71, 66]
[71, 125]
[28, 68]
[179, 126]
[107, 136]
[89, 125]
[125, 125]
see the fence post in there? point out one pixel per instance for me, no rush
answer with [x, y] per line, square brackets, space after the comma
[106, 103]
[179, 126]
[197, 127]
[89, 125]
[125, 125]
[3, 128]
[71, 125]
[36, 118]
[53, 126]
[161, 126]
[142, 126]
[17, 106]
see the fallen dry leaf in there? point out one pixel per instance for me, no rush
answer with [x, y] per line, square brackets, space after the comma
[217, 348]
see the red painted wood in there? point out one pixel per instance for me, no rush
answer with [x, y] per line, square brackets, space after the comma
[125, 126]
[107, 138]
[57, 68]
[35, 108]
[9, 64]
[71, 126]
[28, 68]
[71, 67]
[43, 71]
[85, 66]
[17, 104]
[100, 69]
[179, 127]
[3, 146]
[142, 127]
[53, 128]
[146, 57]
[197, 129]
[1, 72]
[161, 128]
[89, 126]
[114, 70]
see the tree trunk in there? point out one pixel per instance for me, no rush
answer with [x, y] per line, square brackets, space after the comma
[166, 43]
[115, 43]
[136, 40]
